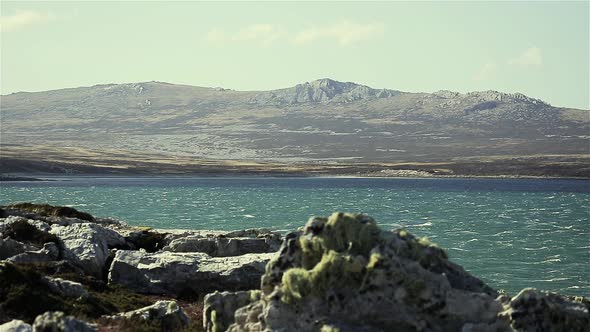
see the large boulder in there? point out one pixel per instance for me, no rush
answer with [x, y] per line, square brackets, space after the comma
[534, 310]
[49, 253]
[87, 245]
[344, 273]
[16, 325]
[57, 321]
[66, 288]
[176, 273]
[220, 246]
[168, 314]
[223, 244]
[10, 247]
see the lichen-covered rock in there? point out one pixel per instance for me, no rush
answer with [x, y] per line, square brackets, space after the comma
[344, 273]
[174, 273]
[87, 245]
[169, 315]
[533, 310]
[219, 308]
[66, 288]
[49, 253]
[57, 321]
[15, 326]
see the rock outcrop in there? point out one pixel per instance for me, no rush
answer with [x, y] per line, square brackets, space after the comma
[10, 247]
[219, 308]
[343, 273]
[168, 314]
[49, 252]
[16, 325]
[174, 273]
[228, 244]
[57, 321]
[87, 245]
[321, 91]
[66, 288]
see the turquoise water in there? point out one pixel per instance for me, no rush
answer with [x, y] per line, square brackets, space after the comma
[511, 233]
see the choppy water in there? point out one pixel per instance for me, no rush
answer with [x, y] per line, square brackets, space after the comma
[511, 233]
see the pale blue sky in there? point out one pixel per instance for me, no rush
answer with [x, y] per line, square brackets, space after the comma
[537, 48]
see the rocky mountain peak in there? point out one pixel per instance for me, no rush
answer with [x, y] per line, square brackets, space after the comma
[323, 90]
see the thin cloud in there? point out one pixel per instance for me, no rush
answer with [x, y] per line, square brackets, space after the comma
[264, 34]
[487, 71]
[23, 19]
[344, 33]
[531, 57]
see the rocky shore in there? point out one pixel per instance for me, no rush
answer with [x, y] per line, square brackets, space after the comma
[66, 270]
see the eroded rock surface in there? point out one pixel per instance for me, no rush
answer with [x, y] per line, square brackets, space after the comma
[87, 245]
[49, 252]
[169, 315]
[222, 246]
[16, 325]
[57, 321]
[174, 273]
[66, 288]
[219, 308]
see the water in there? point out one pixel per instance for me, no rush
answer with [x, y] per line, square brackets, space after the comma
[511, 233]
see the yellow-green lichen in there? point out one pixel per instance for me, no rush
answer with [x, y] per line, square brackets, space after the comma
[374, 260]
[329, 328]
[350, 232]
[255, 295]
[215, 326]
[334, 270]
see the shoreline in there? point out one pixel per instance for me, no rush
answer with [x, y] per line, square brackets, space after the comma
[52, 177]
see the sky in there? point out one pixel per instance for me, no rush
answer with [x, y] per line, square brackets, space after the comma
[537, 48]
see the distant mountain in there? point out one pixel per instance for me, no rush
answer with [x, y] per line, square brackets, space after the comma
[318, 121]
[321, 91]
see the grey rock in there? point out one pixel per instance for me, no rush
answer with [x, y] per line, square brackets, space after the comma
[344, 273]
[57, 321]
[40, 224]
[174, 273]
[167, 313]
[321, 91]
[534, 310]
[16, 325]
[87, 245]
[219, 308]
[221, 246]
[66, 288]
[49, 252]
[10, 247]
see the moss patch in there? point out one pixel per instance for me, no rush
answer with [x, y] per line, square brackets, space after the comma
[53, 211]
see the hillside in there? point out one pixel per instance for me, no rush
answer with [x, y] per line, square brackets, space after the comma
[322, 121]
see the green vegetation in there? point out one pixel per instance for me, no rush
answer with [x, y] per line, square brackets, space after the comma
[24, 295]
[22, 231]
[53, 211]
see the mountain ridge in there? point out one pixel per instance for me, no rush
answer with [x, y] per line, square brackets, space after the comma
[322, 121]
[330, 86]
